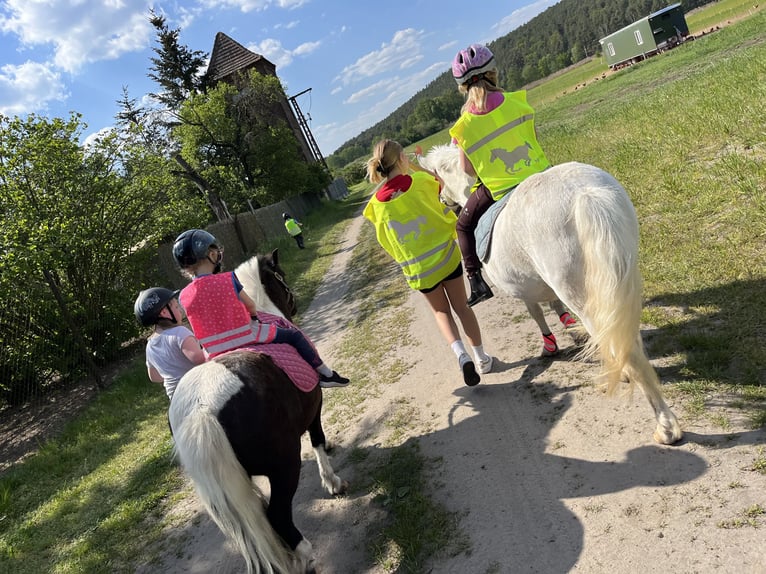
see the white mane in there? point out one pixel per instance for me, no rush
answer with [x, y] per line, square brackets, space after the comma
[444, 160]
[249, 274]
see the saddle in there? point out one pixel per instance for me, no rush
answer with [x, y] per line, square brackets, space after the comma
[286, 357]
[483, 231]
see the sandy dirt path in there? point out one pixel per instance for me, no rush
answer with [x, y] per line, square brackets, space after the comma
[547, 474]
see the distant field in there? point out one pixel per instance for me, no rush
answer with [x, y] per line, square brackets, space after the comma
[719, 12]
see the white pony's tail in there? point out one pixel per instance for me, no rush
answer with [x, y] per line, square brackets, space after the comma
[229, 495]
[608, 231]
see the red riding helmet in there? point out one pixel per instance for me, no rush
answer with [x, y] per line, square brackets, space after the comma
[471, 62]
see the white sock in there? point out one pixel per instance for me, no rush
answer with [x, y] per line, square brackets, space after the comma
[479, 353]
[324, 370]
[458, 348]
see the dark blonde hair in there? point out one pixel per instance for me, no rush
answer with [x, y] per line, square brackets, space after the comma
[385, 157]
[476, 92]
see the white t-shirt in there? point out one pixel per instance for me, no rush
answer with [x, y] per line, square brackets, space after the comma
[164, 352]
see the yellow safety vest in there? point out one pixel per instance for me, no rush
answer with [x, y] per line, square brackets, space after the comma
[292, 227]
[502, 144]
[417, 231]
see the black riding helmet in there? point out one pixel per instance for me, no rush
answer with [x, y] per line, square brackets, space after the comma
[192, 245]
[150, 303]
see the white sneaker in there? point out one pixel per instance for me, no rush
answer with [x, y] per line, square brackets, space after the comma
[485, 366]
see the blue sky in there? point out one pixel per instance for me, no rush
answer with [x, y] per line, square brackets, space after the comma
[360, 59]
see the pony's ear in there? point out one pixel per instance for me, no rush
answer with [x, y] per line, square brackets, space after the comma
[275, 257]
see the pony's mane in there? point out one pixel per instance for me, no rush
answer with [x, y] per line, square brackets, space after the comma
[249, 274]
[444, 160]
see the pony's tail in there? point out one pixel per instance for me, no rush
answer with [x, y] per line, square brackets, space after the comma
[608, 231]
[229, 495]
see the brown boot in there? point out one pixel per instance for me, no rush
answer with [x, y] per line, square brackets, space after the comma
[480, 291]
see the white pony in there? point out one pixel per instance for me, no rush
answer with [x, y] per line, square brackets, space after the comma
[570, 234]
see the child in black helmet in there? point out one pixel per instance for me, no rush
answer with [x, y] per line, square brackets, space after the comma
[220, 311]
[172, 349]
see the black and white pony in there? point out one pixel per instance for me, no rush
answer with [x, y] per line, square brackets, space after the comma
[238, 416]
[568, 236]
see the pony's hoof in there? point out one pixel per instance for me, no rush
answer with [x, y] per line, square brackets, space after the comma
[663, 436]
[343, 488]
[579, 336]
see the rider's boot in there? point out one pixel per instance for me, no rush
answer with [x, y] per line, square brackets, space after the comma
[480, 291]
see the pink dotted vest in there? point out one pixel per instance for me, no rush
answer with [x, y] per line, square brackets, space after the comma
[218, 317]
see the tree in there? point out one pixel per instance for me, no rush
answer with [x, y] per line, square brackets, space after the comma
[177, 69]
[235, 140]
[75, 220]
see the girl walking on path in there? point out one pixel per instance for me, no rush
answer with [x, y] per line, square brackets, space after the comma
[418, 232]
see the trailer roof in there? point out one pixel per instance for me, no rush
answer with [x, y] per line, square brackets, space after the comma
[652, 15]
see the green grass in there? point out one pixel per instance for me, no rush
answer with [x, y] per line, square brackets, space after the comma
[90, 499]
[717, 12]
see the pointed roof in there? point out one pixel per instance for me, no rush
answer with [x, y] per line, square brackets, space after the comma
[230, 56]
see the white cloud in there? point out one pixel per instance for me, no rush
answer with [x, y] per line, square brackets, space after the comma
[447, 46]
[29, 86]
[79, 32]
[365, 93]
[403, 49]
[306, 48]
[288, 25]
[397, 88]
[278, 55]
[273, 51]
[253, 5]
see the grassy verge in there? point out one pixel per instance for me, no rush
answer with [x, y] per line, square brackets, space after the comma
[684, 133]
[91, 499]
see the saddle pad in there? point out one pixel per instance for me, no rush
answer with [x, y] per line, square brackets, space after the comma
[286, 357]
[483, 230]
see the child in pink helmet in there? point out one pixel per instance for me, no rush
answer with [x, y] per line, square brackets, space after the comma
[498, 145]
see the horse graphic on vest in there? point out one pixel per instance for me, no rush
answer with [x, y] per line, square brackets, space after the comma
[511, 158]
[404, 229]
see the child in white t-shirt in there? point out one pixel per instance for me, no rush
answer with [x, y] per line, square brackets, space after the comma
[172, 349]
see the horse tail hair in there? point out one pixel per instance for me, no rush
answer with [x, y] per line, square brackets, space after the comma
[608, 230]
[229, 495]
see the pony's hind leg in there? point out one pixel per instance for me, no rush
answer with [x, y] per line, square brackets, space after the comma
[571, 326]
[639, 371]
[550, 347]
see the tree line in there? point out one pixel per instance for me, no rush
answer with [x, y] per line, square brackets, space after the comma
[560, 36]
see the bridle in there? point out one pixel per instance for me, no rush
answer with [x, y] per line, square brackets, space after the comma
[291, 302]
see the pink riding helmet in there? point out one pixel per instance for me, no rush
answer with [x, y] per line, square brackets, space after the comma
[473, 61]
